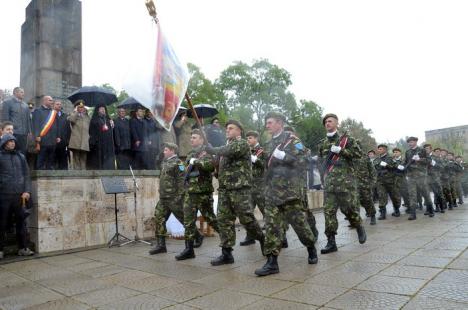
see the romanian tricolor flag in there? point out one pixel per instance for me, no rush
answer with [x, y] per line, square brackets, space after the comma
[48, 123]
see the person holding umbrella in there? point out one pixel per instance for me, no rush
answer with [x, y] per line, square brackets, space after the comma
[101, 140]
[79, 138]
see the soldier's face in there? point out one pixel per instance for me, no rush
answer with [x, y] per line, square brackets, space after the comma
[8, 129]
[196, 141]
[428, 149]
[449, 156]
[252, 141]
[396, 154]
[232, 131]
[443, 154]
[168, 152]
[371, 155]
[458, 160]
[437, 153]
[381, 150]
[274, 126]
[412, 144]
[81, 109]
[331, 124]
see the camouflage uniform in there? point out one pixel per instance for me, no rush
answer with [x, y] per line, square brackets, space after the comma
[284, 193]
[171, 194]
[199, 185]
[459, 170]
[386, 183]
[235, 181]
[367, 177]
[434, 181]
[258, 174]
[416, 172]
[445, 176]
[340, 184]
[400, 185]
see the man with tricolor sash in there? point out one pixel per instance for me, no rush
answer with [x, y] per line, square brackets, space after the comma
[46, 133]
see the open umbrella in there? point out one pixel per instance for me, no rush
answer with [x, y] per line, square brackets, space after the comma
[203, 110]
[131, 103]
[93, 96]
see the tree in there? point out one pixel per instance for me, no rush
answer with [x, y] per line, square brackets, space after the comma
[451, 142]
[251, 91]
[307, 121]
[358, 131]
[201, 89]
[121, 96]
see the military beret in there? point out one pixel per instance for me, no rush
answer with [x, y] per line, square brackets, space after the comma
[234, 122]
[382, 145]
[370, 151]
[427, 145]
[412, 139]
[327, 116]
[171, 146]
[437, 149]
[252, 133]
[275, 115]
[79, 102]
[396, 150]
[197, 131]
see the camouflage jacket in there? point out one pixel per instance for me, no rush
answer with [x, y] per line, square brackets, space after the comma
[258, 167]
[198, 178]
[385, 174]
[365, 172]
[341, 178]
[445, 173]
[459, 171]
[416, 168]
[235, 167]
[284, 178]
[436, 170]
[171, 180]
[397, 172]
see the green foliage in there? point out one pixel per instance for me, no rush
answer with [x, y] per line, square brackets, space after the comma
[307, 121]
[201, 89]
[452, 143]
[358, 131]
[121, 96]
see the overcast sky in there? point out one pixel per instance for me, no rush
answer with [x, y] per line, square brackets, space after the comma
[400, 67]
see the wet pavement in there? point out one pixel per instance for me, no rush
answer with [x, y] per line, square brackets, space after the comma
[421, 264]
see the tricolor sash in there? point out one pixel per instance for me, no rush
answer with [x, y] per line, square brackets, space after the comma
[48, 123]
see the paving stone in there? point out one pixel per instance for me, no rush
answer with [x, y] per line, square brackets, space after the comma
[73, 286]
[149, 284]
[105, 296]
[223, 279]
[127, 276]
[180, 307]
[66, 260]
[339, 279]
[87, 266]
[314, 294]
[437, 253]
[101, 272]
[264, 286]
[223, 299]
[379, 257]
[25, 295]
[140, 302]
[184, 291]
[358, 300]
[60, 304]
[459, 263]
[276, 304]
[428, 303]
[415, 272]
[366, 268]
[424, 261]
[10, 279]
[448, 244]
[394, 285]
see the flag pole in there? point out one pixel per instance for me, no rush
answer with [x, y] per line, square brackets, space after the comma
[152, 12]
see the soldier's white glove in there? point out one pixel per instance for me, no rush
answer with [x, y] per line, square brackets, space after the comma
[279, 154]
[383, 164]
[433, 163]
[253, 158]
[416, 157]
[335, 149]
[192, 161]
[401, 167]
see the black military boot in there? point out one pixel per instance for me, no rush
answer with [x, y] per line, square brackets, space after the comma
[160, 246]
[361, 232]
[284, 244]
[247, 241]
[187, 252]
[372, 220]
[420, 206]
[270, 267]
[383, 213]
[396, 212]
[437, 207]
[198, 240]
[225, 257]
[331, 245]
[412, 215]
[450, 206]
[443, 206]
[430, 210]
[312, 259]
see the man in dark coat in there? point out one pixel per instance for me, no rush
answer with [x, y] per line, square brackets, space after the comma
[215, 134]
[15, 187]
[154, 141]
[46, 133]
[139, 138]
[123, 148]
[101, 144]
[61, 149]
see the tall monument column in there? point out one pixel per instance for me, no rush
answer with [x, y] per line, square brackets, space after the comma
[51, 49]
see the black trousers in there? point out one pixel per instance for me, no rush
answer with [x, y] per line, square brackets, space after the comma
[22, 142]
[46, 158]
[12, 202]
[140, 161]
[61, 158]
[123, 159]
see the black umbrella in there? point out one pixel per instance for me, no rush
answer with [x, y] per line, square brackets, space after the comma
[93, 96]
[131, 103]
[203, 110]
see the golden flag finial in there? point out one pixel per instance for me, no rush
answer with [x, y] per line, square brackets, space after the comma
[151, 9]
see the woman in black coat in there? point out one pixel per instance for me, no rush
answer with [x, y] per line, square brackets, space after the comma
[101, 141]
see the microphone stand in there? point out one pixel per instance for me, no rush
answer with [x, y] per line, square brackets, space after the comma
[135, 189]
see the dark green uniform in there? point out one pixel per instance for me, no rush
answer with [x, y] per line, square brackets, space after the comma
[400, 185]
[235, 182]
[199, 186]
[340, 184]
[171, 194]
[367, 179]
[434, 181]
[258, 174]
[385, 167]
[284, 193]
[459, 170]
[445, 176]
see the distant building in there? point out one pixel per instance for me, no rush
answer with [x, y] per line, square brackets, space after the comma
[450, 136]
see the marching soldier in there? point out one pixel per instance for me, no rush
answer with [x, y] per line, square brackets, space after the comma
[235, 182]
[384, 165]
[433, 181]
[339, 153]
[453, 171]
[284, 193]
[199, 185]
[367, 178]
[416, 161]
[257, 158]
[400, 179]
[445, 176]
[458, 178]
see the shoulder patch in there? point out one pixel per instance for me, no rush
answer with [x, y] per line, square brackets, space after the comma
[299, 146]
[181, 167]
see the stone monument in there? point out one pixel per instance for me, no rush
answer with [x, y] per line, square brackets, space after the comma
[51, 49]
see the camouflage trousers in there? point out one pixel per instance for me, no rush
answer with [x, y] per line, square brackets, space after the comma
[391, 189]
[349, 206]
[403, 183]
[258, 199]
[416, 184]
[436, 187]
[457, 188]
[163, 210]
[447, 191]
[366, 200]
[277, 217]
[194, 203]
[232, 204]
[310, 218]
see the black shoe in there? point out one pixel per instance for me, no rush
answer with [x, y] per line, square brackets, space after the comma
[284, 244]
[187, 252]
[225, 258]
[396, 213]
[420, 206]
[412, 217]
[247, 241]
[461, 202]
[383, 213]
[430, 209]
[372, 220]
[312, 259]
[450, 207]
[160, 247]
[437, 208]
[330, 247]
[362, 236]
[198, 241]
[270, 267]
